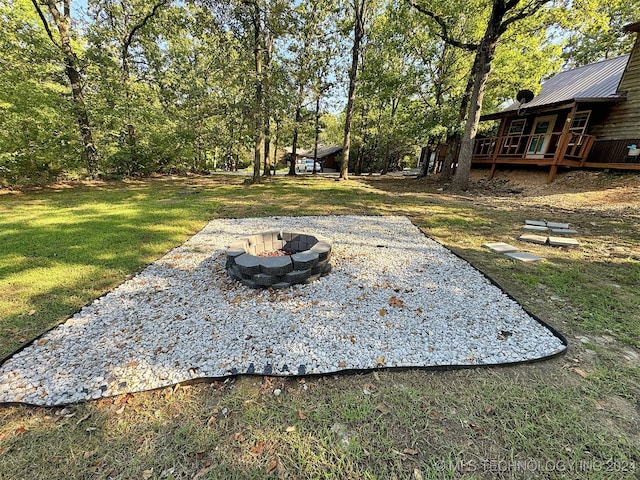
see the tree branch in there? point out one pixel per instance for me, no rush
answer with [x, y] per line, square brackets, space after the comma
[45, 23]
[141, 24]
[532, 8]
[472, 47]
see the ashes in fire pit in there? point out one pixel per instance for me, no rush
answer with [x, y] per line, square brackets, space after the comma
[278, 259]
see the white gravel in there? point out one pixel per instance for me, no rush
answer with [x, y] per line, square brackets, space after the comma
[395, 298]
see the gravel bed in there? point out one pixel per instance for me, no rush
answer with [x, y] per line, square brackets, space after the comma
[395, 298]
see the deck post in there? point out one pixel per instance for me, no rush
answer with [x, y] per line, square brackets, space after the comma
[563, 142]
[496, 149]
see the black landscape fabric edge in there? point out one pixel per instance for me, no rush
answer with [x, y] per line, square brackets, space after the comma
[347, 371]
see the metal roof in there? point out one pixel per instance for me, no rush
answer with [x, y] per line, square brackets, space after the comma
[596, 81]
[323, 151]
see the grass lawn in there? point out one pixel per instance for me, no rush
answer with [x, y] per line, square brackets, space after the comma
[572, 417]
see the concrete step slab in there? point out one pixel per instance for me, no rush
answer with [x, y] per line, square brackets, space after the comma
[500, 247]
[531, 238]
[564, 231]
[535, 228]
[523, 257]
[563, 242]
[537, 223]
[557, 225]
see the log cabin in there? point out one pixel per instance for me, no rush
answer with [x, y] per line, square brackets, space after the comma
[588, 117]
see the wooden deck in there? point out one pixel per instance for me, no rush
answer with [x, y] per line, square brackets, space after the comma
[554, 150]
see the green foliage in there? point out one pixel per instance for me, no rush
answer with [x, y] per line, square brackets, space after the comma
[170, 87]
[37, 133]
[599, 33]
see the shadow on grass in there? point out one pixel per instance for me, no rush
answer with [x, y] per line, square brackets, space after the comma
[462, 425]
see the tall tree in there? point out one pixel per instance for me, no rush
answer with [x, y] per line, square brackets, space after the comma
[310, 45]
[256, 14]
[62, 21]
[360, 10]
[123, 17]
[38, 133]
[503, 14]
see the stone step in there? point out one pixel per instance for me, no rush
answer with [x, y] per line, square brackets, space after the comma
[500, 247]
[557, 225]
[563, 231]
[535, 228]
[563, 242]
[529, 237]
[523, 256]
[536, 223]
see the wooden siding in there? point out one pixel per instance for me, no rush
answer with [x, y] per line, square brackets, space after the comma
[623, 121]
[612, 151]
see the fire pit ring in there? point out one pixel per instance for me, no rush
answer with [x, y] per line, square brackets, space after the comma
[278, 259]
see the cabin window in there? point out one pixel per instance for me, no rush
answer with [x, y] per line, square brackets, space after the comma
[511, 144]
[517, 127]
[579, 126]
[579, 122]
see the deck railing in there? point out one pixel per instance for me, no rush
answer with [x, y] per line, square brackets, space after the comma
[533, 148]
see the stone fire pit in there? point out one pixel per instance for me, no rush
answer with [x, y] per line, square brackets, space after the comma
[278, 259]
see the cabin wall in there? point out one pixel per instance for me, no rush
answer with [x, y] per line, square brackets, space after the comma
[330, 161]
[613, 151]
[623, 121]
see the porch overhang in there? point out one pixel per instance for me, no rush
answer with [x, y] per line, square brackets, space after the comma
[564, 105]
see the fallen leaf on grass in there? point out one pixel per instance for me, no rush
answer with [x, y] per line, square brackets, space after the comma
[410, 451]
[20, 430]
[258, 448]
[475, 427]
[417, 475]
[273, 464]
[302, 415]
[382, 408]
[368, 388]
[581, 372]
[291, 429]
[90, 454]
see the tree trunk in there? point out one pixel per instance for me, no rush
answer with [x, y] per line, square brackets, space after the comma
[259, 113]
[482, 67]
[358, 33]
[453, 149]
[317, 128]
[268, 41]
[296, 126]
[276, 141]
[360, 156]
[63, 23]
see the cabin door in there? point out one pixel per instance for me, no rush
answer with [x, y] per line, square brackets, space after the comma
[541, 136]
